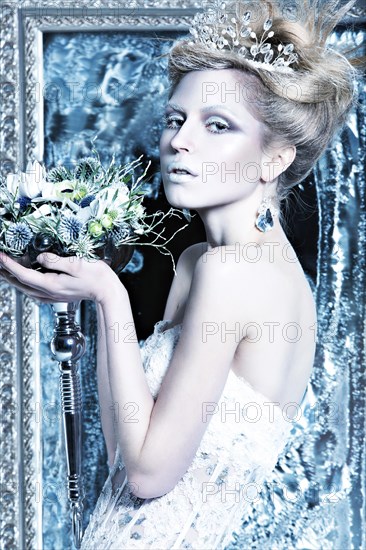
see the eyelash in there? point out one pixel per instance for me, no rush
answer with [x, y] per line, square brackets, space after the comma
[169, 119]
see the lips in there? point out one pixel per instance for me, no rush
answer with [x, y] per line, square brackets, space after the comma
[179, 168]
[179, 171]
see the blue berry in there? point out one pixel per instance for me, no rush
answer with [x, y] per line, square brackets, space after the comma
[24, 202]
[87, 200]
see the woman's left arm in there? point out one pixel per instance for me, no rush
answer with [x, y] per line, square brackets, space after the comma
[78, 279]
[157, 440]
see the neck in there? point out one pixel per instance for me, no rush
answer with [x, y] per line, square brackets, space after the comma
[234, 223]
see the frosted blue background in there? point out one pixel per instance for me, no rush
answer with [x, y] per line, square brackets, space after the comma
[315, 497]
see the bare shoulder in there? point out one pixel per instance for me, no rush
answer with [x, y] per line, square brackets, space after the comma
[234, 289]
[252, 274]
[263, 278]
[190, 256]
[203, 275]
[273, 321]
[243, 283]
[261, 305]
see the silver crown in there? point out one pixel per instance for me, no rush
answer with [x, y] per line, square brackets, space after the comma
[218, 31]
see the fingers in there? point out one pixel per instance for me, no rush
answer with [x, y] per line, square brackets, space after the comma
[69, 265]
[33, 283]
[47, 259]
[23, 275]
[66, 279]
[32, 293]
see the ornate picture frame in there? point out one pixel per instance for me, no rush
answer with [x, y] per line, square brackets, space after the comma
[23, 24]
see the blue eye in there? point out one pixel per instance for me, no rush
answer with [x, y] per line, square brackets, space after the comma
[172, 121]
[219, 125]
[215, 126]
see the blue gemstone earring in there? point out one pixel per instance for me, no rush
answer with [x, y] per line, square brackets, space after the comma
[266, 213]
[187, 214]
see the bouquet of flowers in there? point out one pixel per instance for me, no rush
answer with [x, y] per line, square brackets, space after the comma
[77, 211]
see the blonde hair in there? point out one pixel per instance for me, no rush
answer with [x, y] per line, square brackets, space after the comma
[304, 107]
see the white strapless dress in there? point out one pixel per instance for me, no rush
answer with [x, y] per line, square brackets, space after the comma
[240, 447]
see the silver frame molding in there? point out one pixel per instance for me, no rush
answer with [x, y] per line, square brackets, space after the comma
[21, 132]
[21, 139]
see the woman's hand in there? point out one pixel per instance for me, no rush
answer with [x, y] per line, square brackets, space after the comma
[71, 279]
[29, 291]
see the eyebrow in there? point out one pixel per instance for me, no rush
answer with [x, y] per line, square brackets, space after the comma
[177, 107]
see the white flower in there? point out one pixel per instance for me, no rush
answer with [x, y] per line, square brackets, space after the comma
[42, 211]
[51, 192]
[4, 196]
[84, 214]
[108, 200]
[62, 190]
[27, 184]
[117, 194]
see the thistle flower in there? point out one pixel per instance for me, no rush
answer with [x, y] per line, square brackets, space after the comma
[59, 173]
[87, 168]
[18, 236]
[121, 233]
[83, 247]
[69, 228]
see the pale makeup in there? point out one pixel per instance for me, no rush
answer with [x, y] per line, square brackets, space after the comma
[215, 136]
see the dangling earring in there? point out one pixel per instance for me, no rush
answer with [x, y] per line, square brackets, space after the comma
[266, 213]
[187, 214]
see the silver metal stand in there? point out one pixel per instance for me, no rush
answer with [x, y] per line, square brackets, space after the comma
[68, 346]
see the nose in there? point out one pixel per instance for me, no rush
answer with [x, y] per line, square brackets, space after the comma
[182, 139]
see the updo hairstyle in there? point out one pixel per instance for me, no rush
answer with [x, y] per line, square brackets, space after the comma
[304, 107]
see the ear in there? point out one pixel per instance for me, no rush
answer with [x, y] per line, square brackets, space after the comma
[276, 161]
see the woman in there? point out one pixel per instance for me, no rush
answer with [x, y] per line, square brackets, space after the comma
[196, 418]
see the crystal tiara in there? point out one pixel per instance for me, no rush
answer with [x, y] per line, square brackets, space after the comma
[218, 31]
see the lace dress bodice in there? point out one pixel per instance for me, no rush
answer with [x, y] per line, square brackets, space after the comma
[244, 437]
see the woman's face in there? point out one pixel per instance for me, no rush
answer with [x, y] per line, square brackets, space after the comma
[210, 132]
